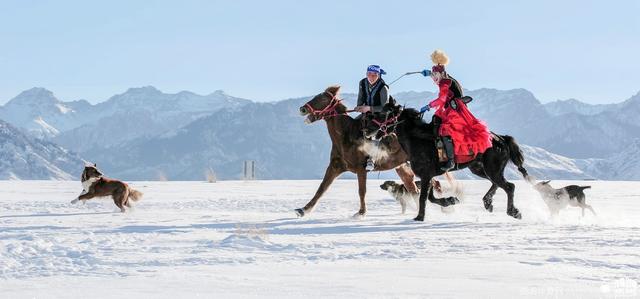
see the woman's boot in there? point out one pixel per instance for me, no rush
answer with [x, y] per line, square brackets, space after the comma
[448, 148]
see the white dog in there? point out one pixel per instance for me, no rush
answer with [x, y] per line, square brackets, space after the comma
[558, 199]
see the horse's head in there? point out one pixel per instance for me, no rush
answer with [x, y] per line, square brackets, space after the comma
[323, 105]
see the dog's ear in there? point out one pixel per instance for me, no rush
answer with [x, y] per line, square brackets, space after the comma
[95, 165]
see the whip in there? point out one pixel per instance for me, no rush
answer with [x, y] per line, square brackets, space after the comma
[405, 74]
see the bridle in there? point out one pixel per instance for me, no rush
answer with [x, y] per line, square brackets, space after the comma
[329, 111]
[387, 126]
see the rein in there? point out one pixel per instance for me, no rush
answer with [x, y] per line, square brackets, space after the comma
[328, 111]
[385, 125]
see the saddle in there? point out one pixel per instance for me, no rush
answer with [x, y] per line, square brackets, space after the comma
[465, 100]
[442, 156]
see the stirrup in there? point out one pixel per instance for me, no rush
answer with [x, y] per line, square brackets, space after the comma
[370, 166]
[448, 166]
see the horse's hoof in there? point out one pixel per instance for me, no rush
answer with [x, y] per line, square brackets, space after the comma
[513, 212]
[358, 216]
[449, 201]
[300, 212]
[488, 204]
[489, 208]
[418, 218]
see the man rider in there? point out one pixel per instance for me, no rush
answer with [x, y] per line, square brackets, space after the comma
[373, 94]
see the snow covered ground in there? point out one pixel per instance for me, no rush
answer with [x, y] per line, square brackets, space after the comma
[241, 239]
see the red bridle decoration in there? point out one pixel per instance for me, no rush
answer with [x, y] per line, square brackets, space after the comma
[384, 126]
[328, 111]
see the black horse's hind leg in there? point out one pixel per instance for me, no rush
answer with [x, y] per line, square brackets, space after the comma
[509, 188]
[511, 209]
[488, 197]
[494, 169]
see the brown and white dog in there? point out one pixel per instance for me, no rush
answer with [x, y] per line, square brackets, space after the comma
[96, 185]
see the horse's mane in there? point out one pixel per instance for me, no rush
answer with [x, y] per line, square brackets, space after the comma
[416, 126]
[350, 124]
[341, 108]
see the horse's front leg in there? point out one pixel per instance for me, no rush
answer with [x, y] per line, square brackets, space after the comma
[332, 172]
[425, 187]
[362, 191]
[406, 175]
[444, 201]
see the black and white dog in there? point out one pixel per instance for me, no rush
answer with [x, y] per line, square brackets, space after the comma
[558, 199]
[401, 194]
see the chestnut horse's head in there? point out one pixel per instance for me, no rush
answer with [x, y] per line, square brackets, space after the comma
[324, 105]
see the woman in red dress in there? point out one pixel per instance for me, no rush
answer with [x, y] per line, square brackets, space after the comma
[463, 136]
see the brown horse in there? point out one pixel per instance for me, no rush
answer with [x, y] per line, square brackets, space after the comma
[347, 153]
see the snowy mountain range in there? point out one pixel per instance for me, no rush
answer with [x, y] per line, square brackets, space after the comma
[40, 113]
[26, 157]
[145, 134]
[138, 112]
[569, 128]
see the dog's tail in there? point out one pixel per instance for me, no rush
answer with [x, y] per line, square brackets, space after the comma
[135, 195]
[515, 154]
[584, 187]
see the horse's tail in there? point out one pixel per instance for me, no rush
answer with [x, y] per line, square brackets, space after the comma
[515, 154]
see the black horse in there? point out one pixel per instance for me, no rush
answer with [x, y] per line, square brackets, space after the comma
[418, 139]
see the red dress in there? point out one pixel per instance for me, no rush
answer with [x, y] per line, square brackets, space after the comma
[470, 135]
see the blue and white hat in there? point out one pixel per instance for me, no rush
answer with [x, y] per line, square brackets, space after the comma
[376, 69]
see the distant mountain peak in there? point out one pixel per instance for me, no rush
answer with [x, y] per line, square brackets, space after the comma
[36, 91]
[186, 93]
[570, 100]
[143, 89]
[35, 95]
[635, 98]
[219, 92]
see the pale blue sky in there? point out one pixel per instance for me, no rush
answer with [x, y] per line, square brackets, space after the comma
[270, 50]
